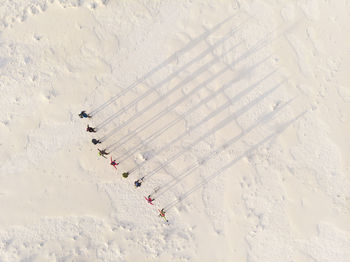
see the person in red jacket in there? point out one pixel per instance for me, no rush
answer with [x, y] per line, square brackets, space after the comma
[113, 163]
[149, 199]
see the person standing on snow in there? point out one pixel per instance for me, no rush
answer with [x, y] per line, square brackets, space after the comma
[162, 214]
[90, 129]
[149, 199]
[96, 141]
[114, 164]
[102, 152]
[83, 114]
[138, 182]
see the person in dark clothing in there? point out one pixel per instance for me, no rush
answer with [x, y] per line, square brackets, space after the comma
[83, 114]
[90, 129]
[102, 152]
[138, 182]
[96, 141]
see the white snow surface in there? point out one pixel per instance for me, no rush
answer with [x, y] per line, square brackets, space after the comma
[236, 112]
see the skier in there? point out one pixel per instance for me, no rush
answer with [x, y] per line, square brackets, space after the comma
[138, 182]
[162, 214]
[102, 152]
[90, 129]
[149, 199]
[96, 141]
[83, 114]
[114, 164]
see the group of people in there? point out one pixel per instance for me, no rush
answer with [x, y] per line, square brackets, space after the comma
[90, 129]
[104, 153]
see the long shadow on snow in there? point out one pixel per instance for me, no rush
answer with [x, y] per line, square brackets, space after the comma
[262, 120]
[258, 46]
[219, 126]
[187, 80]
[173, 57]
[247, 153]
[197, 106]
[162, 97]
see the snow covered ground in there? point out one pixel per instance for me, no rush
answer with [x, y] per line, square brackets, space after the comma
[237, 113]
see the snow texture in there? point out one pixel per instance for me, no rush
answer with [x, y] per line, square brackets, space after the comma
[235, 113]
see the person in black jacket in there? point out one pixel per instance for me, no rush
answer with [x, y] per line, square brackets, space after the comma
[96, 141]
[90, 129]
